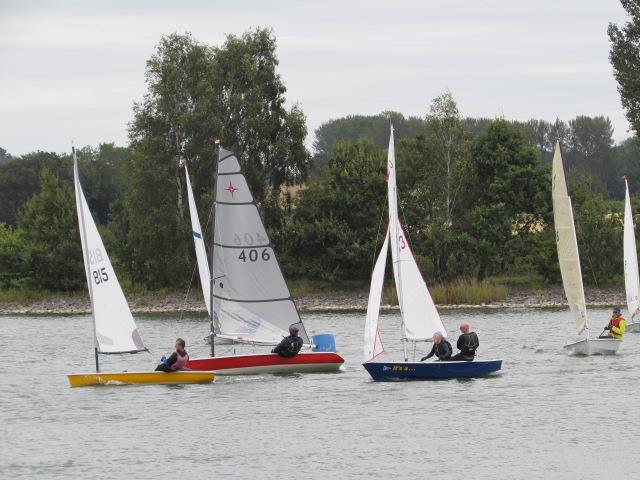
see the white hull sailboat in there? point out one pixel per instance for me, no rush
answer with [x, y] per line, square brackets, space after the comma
[631, 276]
[570, 269]
[114, 329]
[245, 292]
[420, 318]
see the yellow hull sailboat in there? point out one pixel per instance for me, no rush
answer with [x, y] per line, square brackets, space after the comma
[114, 330]
[126, 378]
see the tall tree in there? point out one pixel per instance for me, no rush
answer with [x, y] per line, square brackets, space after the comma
[197, 93]
[50, 237]
[625, 59]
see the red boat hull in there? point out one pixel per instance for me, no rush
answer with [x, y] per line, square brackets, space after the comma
[269, 363]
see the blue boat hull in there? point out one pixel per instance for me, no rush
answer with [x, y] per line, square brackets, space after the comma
[386, 371]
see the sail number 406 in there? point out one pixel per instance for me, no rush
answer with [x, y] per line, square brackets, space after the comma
[252, 255]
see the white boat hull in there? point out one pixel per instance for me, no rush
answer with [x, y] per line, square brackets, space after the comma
[594, 346]
[633, 328]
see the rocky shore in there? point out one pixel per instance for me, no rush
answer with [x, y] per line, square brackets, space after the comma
[552, 297]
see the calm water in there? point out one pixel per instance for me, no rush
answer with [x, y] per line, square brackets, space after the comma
[547, 416]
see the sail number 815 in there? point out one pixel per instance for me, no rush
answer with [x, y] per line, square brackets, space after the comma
[253, 255]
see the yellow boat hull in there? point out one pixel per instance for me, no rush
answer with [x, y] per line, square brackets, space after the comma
[125, 378]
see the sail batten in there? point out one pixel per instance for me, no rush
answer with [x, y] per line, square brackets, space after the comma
[567, 244]
[251, 298]
[631, 276]
[114, 328]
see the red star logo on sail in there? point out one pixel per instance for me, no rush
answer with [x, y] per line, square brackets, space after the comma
[231, 189]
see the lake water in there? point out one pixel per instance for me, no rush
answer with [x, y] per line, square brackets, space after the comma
[547, 416]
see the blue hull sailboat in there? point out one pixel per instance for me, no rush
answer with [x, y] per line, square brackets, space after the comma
[420, 317]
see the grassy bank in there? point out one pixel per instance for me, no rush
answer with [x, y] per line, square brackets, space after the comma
[461, 292]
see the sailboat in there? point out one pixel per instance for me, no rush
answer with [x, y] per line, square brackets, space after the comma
[631, 277]
[570, 270]
[248, 298]
[114, 330]
[420, 317]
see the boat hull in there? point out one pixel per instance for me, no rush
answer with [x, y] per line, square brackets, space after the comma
[594, 346]
[633, 327]
[388, 371]
[127, 378]
[321, 362]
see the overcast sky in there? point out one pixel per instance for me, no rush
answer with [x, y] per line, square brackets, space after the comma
[72, 69]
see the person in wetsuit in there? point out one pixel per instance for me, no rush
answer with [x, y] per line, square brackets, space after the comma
[441, 348]
[176, 361]
[467, 344]
[291, 345]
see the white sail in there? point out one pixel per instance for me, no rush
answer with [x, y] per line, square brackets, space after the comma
[631, 278]
[198, 240]
[115, 330]
[251, 299]
[372, 342]
[419, 314]
[567, 244]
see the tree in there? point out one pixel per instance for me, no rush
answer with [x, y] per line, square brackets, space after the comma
[4, 156]
[338, 222]
[510, 195]
[50, 237]
[12, 256]
[625, 59]
[197, 93]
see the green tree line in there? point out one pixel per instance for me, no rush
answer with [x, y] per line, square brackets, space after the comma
[474, 193]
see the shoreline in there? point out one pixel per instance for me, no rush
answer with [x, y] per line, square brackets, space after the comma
[551, 297]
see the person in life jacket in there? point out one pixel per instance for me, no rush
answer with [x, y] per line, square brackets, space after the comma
[617, 325]
[291, 345]
[468, 342]
[441, 348]
[176, 361]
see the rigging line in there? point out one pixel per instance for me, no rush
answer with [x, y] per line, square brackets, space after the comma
[193, 274]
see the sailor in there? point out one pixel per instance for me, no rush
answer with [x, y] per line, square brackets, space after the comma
[176, 361]
[467, 344]
[617, 325]
[291, 345]
[441, 348]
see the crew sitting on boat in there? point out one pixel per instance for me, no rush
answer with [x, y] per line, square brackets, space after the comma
[441, 348]
[291, 345]
[467, 344]
[176, 361]
[616, 327]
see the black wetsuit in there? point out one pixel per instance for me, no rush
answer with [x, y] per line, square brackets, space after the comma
[173, 358]
[289, 346]
[441, 350]
[467, 344]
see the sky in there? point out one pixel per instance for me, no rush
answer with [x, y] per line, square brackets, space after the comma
[71, 70]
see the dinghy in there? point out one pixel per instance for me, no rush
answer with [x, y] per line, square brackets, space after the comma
[631, 277]
[420, 318]
[114, 330]
[570, 270]
[246, 295]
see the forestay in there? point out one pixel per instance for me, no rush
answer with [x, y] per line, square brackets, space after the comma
[198, 240]
[251, 299]
[631, 280]
[419, 314]
[372, 342]
[115, 330]
[567, 244]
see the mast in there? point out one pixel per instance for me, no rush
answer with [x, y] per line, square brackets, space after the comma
[87, 272]
[212, 333]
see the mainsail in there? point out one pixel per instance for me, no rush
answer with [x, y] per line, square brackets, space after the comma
[567, 243]
[251, 299]
[372, 342]
[114, 328]
[419, 314]
[631, 279]
[198, 240]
